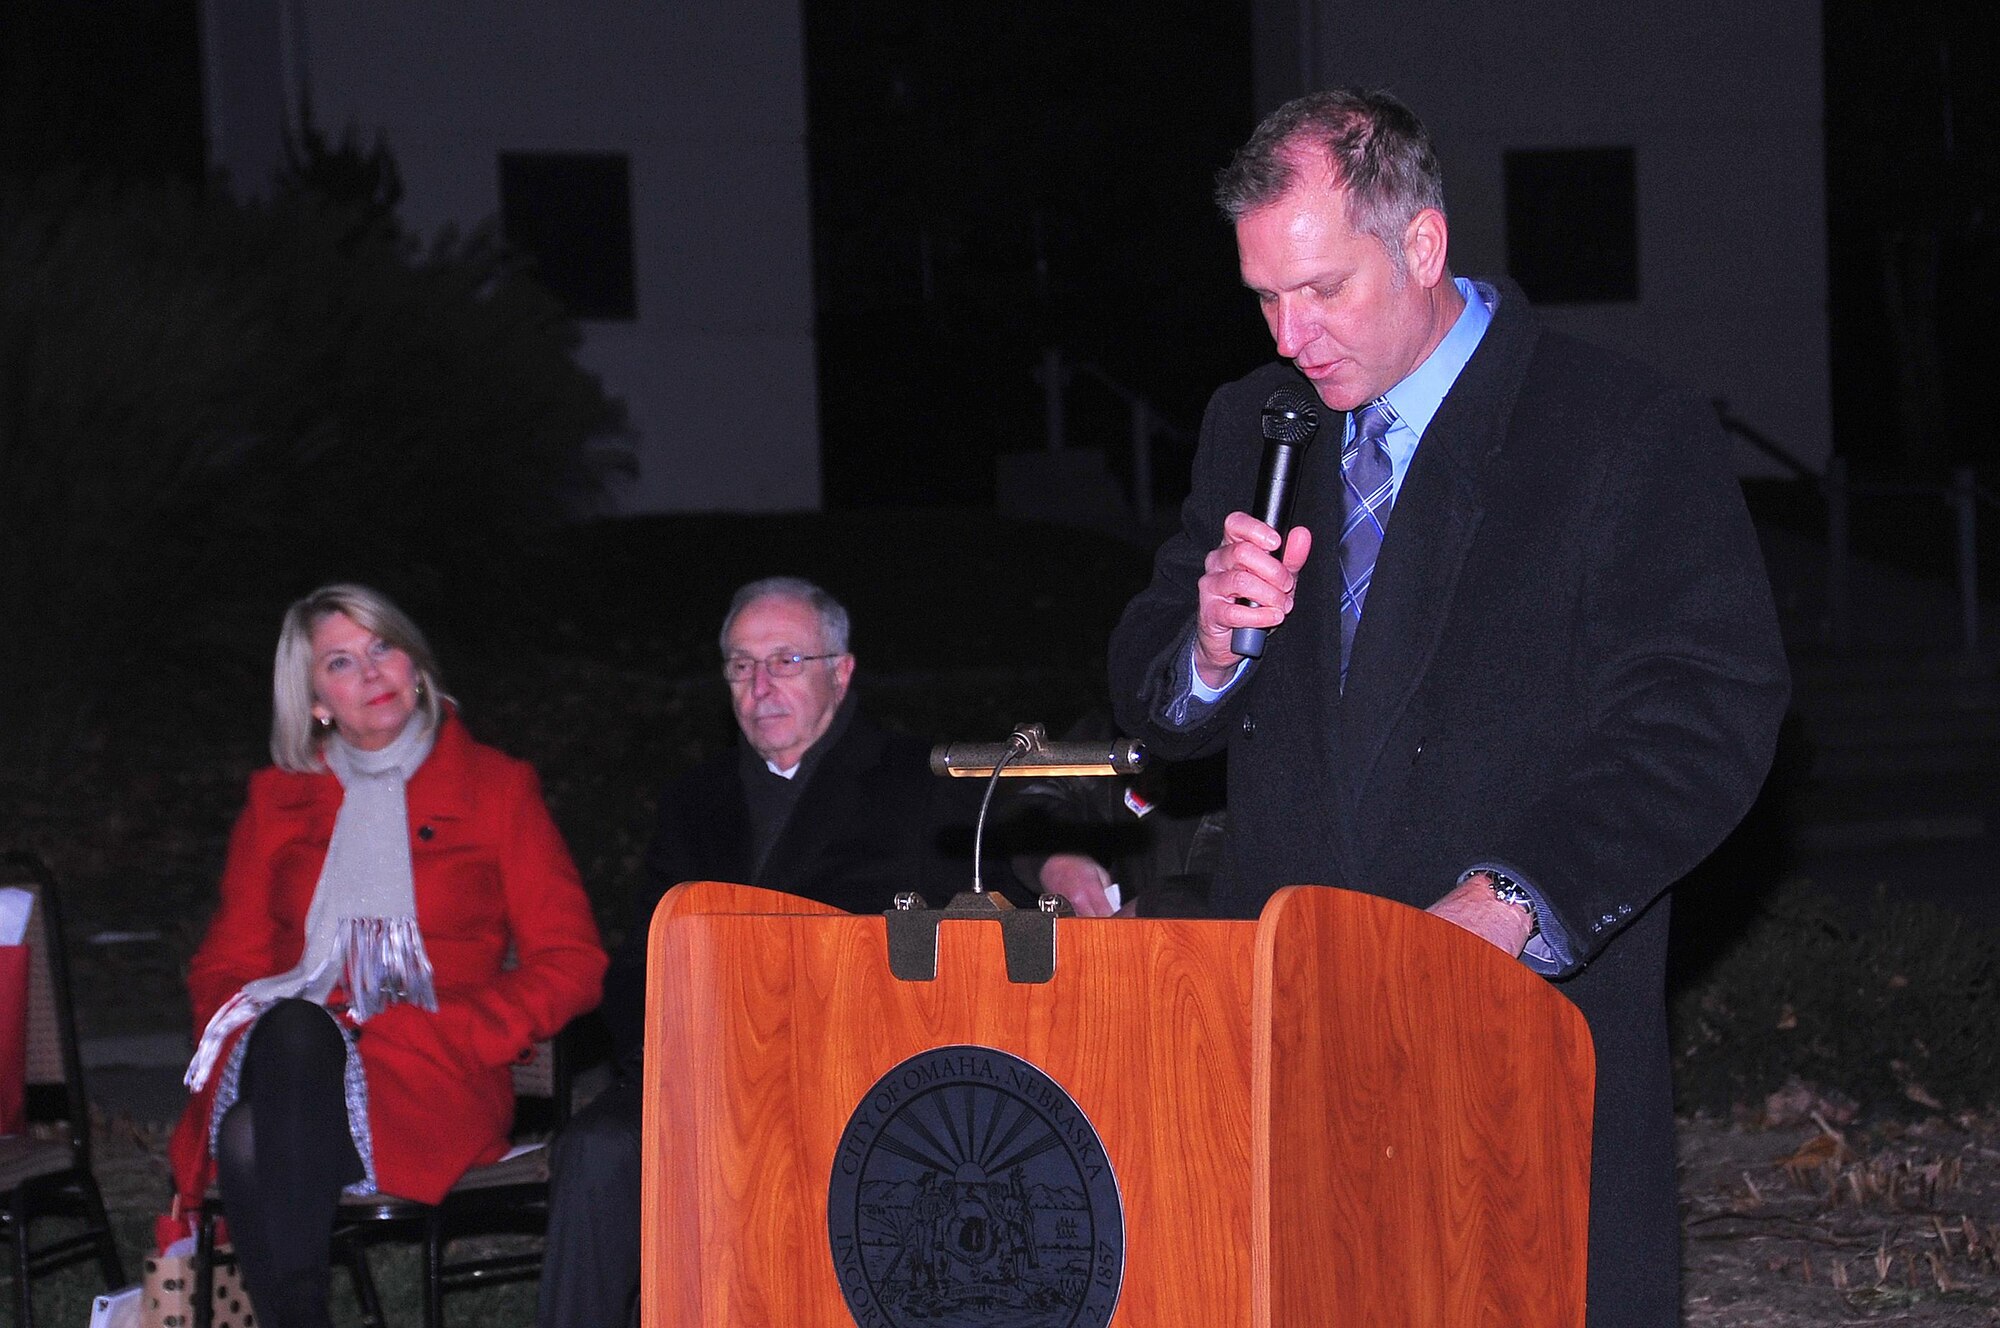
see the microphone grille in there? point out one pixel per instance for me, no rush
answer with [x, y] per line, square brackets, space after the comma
[1291, 416]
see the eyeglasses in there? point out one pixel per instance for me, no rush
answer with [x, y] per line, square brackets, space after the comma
[738, 668]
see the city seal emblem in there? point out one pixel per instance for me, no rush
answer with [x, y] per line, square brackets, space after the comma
[969, 1189]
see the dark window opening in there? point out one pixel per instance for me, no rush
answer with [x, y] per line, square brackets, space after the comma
[572, 213]
[1573, 224]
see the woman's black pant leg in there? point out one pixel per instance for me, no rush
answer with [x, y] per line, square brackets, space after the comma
[283, 1155]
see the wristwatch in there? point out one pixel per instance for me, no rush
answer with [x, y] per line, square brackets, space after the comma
[1508, 891]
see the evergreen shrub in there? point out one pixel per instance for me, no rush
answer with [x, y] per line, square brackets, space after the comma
[208, 406]
[1896, 1005]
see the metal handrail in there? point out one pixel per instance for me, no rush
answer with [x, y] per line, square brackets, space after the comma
[1055, 375]
[1769, 446]
[1964, 494]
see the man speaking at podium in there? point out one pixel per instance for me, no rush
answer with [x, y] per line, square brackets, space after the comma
[1522, 667]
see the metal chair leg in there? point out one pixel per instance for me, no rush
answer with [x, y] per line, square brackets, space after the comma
[355, 1253]
[108, 1261]
[24, 1289]
[434, 1269]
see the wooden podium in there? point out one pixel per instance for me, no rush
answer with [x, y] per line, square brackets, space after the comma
[1345, 1112]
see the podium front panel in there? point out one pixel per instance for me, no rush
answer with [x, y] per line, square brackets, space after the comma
[766, 1033]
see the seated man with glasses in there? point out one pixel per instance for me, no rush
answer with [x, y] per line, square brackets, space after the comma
[815, 801]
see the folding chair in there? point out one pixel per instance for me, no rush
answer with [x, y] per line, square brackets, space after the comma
[506, 1197]
[43, 1177]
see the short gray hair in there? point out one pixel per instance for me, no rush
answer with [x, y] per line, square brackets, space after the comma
[295, 737]
[1375, 147]
[832, 616]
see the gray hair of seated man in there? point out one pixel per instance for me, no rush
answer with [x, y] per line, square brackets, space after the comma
[833, 623]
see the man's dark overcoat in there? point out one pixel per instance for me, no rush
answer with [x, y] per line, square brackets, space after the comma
[867, 826]
[1568, 663]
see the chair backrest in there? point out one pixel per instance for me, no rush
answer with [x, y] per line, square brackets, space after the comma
[52, 1056]
[546, 1075]
[536, 1077]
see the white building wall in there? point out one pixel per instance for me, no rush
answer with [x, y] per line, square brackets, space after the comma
[1722, 104]
[705, 97]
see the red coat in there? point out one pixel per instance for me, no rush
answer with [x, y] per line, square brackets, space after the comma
[490, 868]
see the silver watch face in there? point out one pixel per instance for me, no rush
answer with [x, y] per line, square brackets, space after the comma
[1509, 891]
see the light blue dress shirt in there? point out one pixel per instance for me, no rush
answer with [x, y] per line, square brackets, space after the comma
[1415, 400]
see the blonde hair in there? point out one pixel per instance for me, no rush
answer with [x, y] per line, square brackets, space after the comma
[295, 736]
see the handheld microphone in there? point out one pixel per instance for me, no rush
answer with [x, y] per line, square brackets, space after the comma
[1290, 419]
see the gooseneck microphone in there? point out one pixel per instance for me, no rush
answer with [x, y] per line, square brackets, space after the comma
[1290, 419]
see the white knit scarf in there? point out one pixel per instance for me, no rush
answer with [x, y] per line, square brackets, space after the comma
[361, 929]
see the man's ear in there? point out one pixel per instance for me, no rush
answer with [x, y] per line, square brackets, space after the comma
[1425, 241]
[843, 673]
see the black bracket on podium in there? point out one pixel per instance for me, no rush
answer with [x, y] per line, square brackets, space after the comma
[1028, 935]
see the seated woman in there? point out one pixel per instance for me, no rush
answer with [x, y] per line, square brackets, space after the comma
[357, 1016]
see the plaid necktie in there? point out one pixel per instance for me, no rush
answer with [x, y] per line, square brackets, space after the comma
[1367, 494]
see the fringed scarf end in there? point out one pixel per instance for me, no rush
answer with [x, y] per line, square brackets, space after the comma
[385, 964]
[238, 1010]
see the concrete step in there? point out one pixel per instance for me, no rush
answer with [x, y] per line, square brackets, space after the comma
[1937, 727]
[1831, 837]
[1835, 762]
[1882, 718]
[1880, 812]
[137, 1075]
[1812, 670]
[1911, 699]
[135, 1051]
